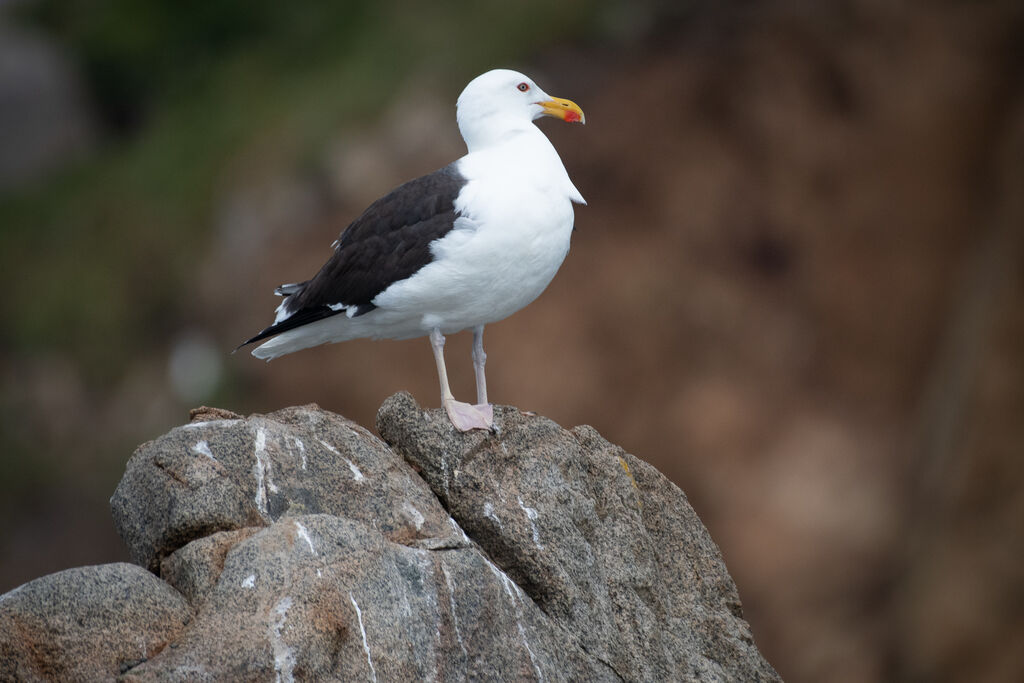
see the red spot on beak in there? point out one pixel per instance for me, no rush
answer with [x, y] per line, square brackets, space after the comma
[571, 117]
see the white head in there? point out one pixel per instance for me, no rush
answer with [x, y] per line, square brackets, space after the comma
[501, 102]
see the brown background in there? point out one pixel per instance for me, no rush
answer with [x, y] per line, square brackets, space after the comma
[798, 290]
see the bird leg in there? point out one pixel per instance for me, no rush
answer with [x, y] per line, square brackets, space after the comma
[479, 358]
[463, 416]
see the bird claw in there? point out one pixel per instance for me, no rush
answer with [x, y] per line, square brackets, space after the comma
[465, 417]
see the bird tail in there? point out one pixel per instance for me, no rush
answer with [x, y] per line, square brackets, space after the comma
[281, 330]
[278, 346]
[280, 323]
[294, 330]
[316, 333]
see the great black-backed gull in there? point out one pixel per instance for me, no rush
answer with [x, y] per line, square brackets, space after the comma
[461, 247]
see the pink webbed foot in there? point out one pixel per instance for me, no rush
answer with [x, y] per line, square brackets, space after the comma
[466, 417]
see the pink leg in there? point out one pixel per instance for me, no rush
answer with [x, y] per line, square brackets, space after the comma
[479, 358]
[463, 416]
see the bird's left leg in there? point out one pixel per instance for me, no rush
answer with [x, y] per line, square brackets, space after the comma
[479, 359]
[463, 416]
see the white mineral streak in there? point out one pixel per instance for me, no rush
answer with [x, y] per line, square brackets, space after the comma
[531, 514]
[249, 581]
[356, 474]
[304, 535]
[444, 473]
[362, 631]
[426, 565]
[261, 445]
[490, 514]
[209, 423]
[425, 561]
[500, 575]
[301, 446]
[415, 515]
[284, 657]
[529, 650]
[260, 470]
[203, 448]
[455, 616]
[515, 597]
[455, 525]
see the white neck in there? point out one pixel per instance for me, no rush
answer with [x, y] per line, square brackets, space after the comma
[522, 151]
[480, 134]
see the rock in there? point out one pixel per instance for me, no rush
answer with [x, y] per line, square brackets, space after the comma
[601, 542]
[307, 548]
[226, 474]
[195, 568]
[318, 597]
[208, 414]
[89, 623]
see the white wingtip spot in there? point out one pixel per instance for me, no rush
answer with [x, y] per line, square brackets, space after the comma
[281, 313]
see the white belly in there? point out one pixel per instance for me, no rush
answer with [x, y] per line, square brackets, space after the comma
[484, 270]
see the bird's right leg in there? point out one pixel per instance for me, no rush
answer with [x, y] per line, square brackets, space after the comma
[463, 415]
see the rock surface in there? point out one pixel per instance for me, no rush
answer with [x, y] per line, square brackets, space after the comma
[301, 546]
[87, 624]
[606, 546]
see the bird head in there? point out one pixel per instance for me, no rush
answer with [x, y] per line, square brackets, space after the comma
[501, 101]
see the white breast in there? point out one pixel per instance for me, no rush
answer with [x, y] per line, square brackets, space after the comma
[512, 235]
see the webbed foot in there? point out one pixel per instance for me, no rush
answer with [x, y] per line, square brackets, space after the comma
[466, 417]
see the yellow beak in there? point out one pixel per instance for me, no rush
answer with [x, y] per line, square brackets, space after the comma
[566, 110]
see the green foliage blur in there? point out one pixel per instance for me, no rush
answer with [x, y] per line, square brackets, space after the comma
[138, 55]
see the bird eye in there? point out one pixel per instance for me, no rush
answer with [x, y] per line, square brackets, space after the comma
[523, 87]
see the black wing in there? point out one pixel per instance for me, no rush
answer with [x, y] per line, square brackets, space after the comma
[389, 242]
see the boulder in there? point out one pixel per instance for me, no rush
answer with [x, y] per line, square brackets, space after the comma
[607, 547]
[298, 545]
[87, 624]
[321, 597]
[229, 473]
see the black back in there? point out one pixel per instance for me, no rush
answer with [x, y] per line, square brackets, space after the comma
[389, 242]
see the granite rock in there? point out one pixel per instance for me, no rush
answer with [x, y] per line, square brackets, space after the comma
[299, 546]
[600, 541]
[226, 474]
[87, 624]
[320, 597]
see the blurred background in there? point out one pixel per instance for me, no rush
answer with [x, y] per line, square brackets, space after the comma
[798, 288]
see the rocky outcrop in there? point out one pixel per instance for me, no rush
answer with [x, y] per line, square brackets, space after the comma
[301, 546]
